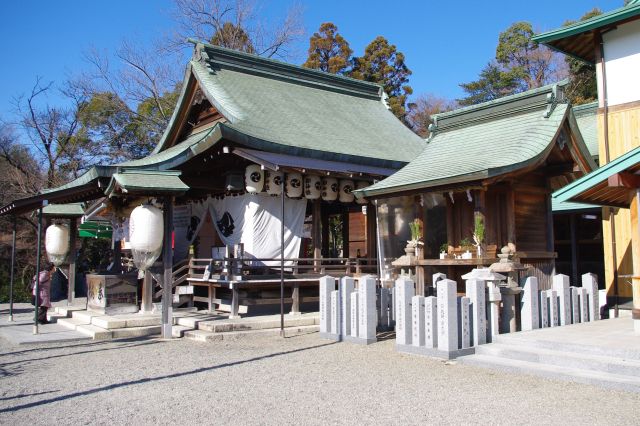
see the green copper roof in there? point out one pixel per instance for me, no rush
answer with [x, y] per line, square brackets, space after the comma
[482, 141]
[147, 182]
[64, 210]
[566, 206]
[570, 39]
[177, 154]
[574, 190]
[278, 107]
[587, 120]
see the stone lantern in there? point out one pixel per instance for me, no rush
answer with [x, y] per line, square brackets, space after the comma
[506, 265]
[494, 282]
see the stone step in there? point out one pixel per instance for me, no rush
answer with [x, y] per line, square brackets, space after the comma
[599, 378]
[178, 331]
[72, 323]
[583, 361]
[96, 333]
[126, 321]
[530, 340]
[67, 311]
[193, 321]
[256, 324]
[208, 336]
[53, 317]
[85, 315]
[123, 333]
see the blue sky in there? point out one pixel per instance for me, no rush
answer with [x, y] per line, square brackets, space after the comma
[445, 42]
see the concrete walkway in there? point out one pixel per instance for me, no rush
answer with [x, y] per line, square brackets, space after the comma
[20, 330]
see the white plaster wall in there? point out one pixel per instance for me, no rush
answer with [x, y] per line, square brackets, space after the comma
[622, 59]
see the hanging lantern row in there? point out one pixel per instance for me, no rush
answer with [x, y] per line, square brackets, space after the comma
[296, 185]
[56, 243]
[146, 230]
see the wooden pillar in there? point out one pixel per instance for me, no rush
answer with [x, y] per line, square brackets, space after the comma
[549, 233]
[479, 198]
[38, 255]
[324, 219]
[295, 299]
[372, 229]
[316, 233]
[235, 302]
[117, 258]
[13, 266]
[511, 220]
[450, 226]
[147, 292]
[167, 260]
[574, 248]
[73, 234]
[345, 234]
[635, 248]
[420, 216]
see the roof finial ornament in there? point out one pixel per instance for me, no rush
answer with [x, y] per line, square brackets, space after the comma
[552, 101]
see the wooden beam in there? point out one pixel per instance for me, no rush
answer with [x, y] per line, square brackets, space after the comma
[324, 219]
[625, 180]
[450, 226]
[316, 234]
[574, 248]
[345, 234]
[511, 220]
[73, 231]
[371, 236]
[167, 266]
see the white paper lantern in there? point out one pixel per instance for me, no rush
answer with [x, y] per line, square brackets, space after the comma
[272, 182]
[254, 178]
[346, 191]
[360, 185]
[294, 185]
[330, 189]
[146, 230]
[56, 243]
[312, 187]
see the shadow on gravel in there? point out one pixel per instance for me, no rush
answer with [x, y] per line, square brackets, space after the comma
[52, 346]
[24, 395]
[22, 361]
[155, 379]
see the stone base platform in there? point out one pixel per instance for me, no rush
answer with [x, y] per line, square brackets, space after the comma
[604, 353]
[220, 327]
[433, 352]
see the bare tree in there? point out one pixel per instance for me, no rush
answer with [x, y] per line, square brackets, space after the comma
[52, 133]
[236, 24]
[423, 108]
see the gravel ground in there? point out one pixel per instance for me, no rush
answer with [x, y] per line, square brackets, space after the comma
[298, 380]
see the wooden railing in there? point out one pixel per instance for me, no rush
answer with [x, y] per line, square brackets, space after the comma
[293, 267]
[179, 276]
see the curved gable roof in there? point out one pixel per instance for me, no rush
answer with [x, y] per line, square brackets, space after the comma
[483, 141]
[278, 107]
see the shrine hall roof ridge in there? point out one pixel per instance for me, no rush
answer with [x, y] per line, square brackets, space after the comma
[252, 63]
[287, 109]
[493, 140]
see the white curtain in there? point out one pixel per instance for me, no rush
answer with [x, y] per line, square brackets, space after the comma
[254, 220]
[187, 221]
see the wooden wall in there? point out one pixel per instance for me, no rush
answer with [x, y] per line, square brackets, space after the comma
[531, 221]
[358, 234]
[624, 122]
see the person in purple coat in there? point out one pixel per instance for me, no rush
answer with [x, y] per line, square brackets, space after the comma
[44, 288]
